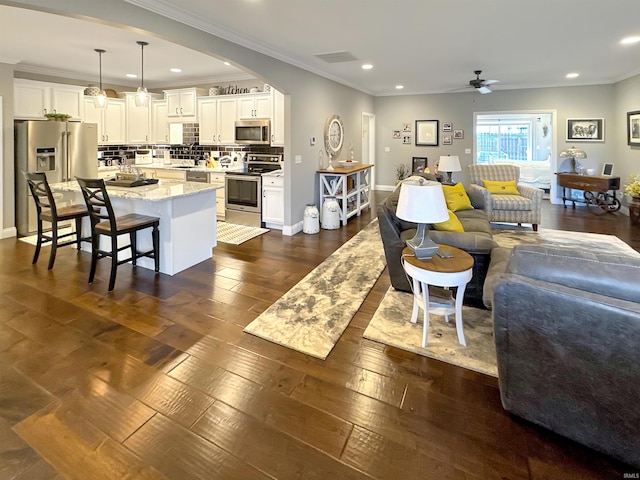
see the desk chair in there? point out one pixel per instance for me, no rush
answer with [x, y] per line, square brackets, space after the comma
[47, 211]
[105, 222]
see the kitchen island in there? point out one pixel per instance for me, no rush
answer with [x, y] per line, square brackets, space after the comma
[187, 212]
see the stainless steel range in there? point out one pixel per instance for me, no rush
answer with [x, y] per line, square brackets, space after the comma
[243, 189]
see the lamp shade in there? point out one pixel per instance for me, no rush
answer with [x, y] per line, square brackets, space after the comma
[449, 163]
[422, 202]
[573, 152]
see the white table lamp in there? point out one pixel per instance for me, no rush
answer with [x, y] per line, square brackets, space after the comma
[573, 153]
[449, 163]
[422, 202]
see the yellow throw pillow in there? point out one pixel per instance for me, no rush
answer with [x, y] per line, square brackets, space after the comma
[456, 197]
[451, 225]
[501, 188]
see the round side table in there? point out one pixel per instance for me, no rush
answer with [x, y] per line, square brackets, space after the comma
[442, 272]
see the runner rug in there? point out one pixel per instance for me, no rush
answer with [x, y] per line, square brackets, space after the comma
[237, 234]
[312, 315]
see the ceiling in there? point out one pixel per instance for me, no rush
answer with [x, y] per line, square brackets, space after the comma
[427, 46]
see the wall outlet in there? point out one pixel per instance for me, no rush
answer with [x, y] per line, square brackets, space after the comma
[298, 159]
[467, 151]
[387, 149]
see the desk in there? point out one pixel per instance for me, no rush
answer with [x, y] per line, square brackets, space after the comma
[595, 188]
[441, 272]
[350, 186]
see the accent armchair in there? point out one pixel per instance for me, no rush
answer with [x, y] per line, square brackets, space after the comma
[522, 208]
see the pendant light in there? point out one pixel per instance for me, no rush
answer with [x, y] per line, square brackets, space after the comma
[101, 99]
[142, 96]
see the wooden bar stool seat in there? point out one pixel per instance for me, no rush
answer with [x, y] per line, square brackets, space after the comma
[48, 211]
[105, 222]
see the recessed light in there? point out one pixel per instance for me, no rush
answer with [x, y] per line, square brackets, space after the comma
[399, 87]
[630, 40]
[367, 66]
[131, 75]
[572, 75]
[175, 70]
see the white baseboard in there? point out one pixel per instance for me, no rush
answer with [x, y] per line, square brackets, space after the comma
[385, 188]
[9, 232]
[291, 230]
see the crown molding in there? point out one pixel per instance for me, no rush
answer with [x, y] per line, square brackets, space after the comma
[186, 17]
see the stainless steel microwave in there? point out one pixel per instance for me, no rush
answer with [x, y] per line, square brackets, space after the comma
[255, 131]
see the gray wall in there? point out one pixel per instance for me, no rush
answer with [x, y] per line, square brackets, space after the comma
[626, 159]
[458, 108]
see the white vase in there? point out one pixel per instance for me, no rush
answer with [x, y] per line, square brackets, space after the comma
[311, 219]
[330, 214]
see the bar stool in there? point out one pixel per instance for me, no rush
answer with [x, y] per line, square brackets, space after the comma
[106, 223]
[47, 211]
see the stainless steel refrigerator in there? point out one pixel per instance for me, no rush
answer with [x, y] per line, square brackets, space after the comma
[63, 150]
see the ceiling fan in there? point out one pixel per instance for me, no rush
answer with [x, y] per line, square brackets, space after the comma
[480, 84]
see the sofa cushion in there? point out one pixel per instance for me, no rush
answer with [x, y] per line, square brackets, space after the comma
[499, 260]
[475, 220]
[501, 188]
[456, 197]
[452, 224]
[593, 271]
[511, 202]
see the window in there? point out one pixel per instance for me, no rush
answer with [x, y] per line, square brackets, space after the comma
[513, 138]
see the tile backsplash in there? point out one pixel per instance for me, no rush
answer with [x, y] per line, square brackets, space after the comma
[189, 150]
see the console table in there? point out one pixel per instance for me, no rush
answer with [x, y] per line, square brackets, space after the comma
[350, 187]
[596, 191]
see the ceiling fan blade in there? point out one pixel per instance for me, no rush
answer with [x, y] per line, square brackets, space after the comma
[489, 82]
[484, 90]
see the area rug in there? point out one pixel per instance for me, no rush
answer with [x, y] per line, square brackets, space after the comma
[237, 234]
[312, 315]
[391, 325]
[33, 239]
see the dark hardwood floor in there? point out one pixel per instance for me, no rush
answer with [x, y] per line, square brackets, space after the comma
[157, 379]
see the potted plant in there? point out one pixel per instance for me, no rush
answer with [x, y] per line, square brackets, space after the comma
[402, 172]
[58, 117]
[633, 186]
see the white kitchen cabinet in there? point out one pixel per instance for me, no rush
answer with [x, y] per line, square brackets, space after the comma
[273, 201]
[277, 118]
[33, 99]
[217, 120]
[159, 122]
[218, 179]
[182, 104]
[137, 121]
[165, 173]
[254, 106]
[111, 120]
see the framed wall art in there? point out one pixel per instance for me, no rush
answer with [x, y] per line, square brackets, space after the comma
[418, 164]
[633, 128]
[585, 129]
[406, 127]
[447, 126]
[427, 133]
[447, 140]
[395, 134]
[406, 139]
[458, 134]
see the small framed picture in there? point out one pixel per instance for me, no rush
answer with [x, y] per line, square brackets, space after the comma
[406, 139]
[396, 134]
[607, 169]
[585, 129]
[406, 127]
[447, 140]
[458, 134]
[427, 133]
[418, 164]
[633, 128]
[447, 127]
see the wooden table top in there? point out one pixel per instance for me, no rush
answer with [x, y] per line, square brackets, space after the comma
[598, 183]
[460, 261]
[339, 170]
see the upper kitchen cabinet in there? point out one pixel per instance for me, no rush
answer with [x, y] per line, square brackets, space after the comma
[138, 120]
[254, 106]
[182, 104]
[33, 99]
[110, 120]
[217, 120]
[277, 118]
[159, 122]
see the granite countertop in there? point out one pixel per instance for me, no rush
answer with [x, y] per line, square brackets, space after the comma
[179, 166]
[163, 190]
